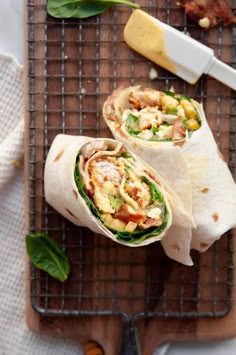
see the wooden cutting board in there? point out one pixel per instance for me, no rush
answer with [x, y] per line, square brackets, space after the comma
[70, 69]
[109, 330]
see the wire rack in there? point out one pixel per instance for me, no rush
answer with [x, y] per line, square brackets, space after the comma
[73, 65]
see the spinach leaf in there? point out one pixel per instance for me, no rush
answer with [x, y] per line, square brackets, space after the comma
[156, 195]
[184, 97]
[177, 97]
[127, 168]
[156, 139]
[169, 93]
[47, 255]
[132, 123]
[126, 155]
[82, 8]
[154, 129]
[83, 192]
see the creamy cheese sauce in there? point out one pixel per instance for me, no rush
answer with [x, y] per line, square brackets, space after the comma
[143, 35]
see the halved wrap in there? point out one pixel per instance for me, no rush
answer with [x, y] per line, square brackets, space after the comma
[163, 123]
[100, 184]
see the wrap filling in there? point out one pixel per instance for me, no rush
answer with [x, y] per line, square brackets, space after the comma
[154, 115]
[120, 191]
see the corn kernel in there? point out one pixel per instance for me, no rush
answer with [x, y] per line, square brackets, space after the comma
[192, 124]
[188, 109]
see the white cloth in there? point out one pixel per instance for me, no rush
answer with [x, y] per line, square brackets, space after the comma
[15, 337]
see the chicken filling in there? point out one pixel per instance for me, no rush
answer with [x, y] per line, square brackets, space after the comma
[120, 191]
[156, 115]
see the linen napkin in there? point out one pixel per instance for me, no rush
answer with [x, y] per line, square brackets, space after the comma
[15, 337]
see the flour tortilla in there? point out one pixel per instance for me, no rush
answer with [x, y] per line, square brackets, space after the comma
[213, 190]
[62, 194]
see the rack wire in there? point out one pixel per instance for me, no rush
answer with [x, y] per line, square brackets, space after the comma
[73, 65]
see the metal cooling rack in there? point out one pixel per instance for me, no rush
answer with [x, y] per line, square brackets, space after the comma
[73, 65]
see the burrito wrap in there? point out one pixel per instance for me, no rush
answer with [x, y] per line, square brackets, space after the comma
[61, 190]
[213, 191]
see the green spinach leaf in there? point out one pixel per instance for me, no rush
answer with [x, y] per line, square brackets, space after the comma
[47, 255]
[132, 123]
[177, 97]
[169, 93]
[154, 129]
[83, 8]
[82, 191]
[156, 195]
[184, 97]
[126, 155]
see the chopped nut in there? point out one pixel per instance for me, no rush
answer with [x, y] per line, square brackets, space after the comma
[153, 74]
[204, 22]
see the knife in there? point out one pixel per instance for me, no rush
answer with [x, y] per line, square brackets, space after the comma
[174, 50]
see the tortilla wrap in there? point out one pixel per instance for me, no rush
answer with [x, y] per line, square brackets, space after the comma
[100, 184]
[213, 190]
